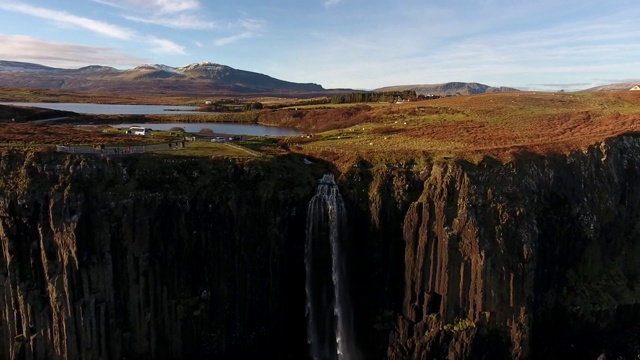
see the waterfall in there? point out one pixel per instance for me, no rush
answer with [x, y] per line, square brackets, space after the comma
[329, 323]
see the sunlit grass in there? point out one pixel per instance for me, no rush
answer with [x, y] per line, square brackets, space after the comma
[498, 125]
[469, 127]
[336, 106]
[208, 149]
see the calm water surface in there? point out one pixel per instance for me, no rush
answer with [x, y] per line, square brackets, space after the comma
[111, 109]
[221, 128]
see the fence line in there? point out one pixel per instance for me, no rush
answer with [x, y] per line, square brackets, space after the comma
[320, 148]
[119, 150]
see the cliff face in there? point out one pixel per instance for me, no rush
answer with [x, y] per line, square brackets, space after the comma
[537, 258]
[166, 258]
[150, 258]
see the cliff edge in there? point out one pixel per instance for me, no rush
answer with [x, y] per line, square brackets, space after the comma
[533, 259]
[164, 257]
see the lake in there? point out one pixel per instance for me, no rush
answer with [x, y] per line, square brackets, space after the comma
[221, 128]
[111, 109]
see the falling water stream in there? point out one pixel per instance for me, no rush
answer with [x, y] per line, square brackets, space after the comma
[329, 324]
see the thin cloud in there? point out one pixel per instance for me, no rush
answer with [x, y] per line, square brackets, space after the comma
[181, 21]
[182, 14]
[165, 46]
[250, 28]
[155, 6]
[159, 45]
[67, 19]
[328, 3]
[29, 49]
[233, 38]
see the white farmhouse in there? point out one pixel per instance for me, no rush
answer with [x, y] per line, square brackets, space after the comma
[137, 130]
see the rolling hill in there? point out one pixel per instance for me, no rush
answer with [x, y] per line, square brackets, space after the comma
[447, 89]
[621, 86]
[198, 79]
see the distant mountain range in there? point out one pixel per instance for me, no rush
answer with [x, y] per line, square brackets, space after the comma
[447, 89]
[622, 86]
[152, 79]
[198, 79]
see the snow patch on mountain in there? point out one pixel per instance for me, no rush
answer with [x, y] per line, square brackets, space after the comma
[156, 67]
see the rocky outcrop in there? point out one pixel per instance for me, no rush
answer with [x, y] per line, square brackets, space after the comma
[150, 258]
[168, 257]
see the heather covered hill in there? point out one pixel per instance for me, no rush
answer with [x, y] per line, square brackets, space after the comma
[620, 86]
[445, 89]
[497, 124]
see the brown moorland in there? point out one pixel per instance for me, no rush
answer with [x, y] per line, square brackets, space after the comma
[29, 126]
[500, 125]
[496, 124]
[64, 134]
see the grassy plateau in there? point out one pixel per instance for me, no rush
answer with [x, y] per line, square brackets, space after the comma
[500, 125]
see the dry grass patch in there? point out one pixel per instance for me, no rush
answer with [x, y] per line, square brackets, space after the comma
[499, 125]
[49, 133]
[208, 149]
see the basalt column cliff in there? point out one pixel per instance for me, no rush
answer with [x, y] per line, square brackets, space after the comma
[150, 258]
[536, 258]
[172, 258]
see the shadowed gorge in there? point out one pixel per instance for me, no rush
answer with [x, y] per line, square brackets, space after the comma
[167, 258]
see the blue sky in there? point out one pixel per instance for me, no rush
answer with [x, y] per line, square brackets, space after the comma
[534, 45]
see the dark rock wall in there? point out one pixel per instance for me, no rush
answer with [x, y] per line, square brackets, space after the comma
[160, 258]
[536, 258]
[172, 258]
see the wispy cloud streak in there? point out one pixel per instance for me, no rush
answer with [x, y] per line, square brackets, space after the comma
[158, 45]
[155, 6]
[249, 28]
[164, 46]
[29, 49]
[180, 21]
[328, 3]
[65, 18]
[233, 38]
[179, 14]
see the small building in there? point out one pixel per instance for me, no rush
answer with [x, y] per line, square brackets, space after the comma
[137, 130]
[635, 88]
